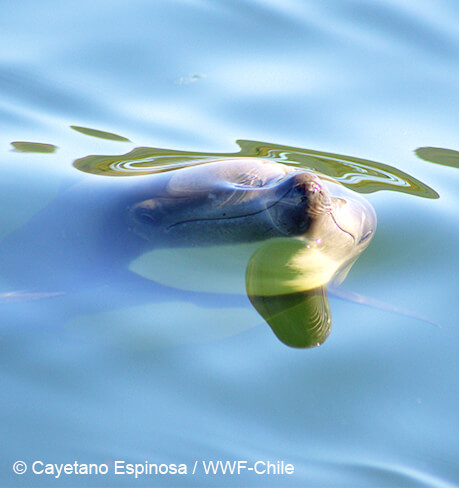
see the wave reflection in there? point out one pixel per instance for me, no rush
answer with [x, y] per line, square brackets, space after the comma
[361, 175]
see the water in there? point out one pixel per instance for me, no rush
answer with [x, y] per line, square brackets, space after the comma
[376, 404]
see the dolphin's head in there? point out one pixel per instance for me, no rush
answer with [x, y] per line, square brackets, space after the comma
[334, 223]
[325, 227]
[254, 200]
[323, 212]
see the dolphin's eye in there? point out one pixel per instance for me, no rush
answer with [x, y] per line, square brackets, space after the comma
[145, 217]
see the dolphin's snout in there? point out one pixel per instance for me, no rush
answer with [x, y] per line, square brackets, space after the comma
[302, 198]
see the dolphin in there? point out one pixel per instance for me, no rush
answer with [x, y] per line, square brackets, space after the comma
[89, 236]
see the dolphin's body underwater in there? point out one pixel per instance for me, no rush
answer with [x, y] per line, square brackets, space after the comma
[86, 238]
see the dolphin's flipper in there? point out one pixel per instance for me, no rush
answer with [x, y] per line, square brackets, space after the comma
[371, 302]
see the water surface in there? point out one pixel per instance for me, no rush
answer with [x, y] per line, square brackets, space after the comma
[175, 382]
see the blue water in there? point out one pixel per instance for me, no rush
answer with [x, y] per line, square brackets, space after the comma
[376, 405]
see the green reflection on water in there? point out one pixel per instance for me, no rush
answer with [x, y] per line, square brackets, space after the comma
[33, 147]
[439, 155]
[361, 175]
[99, 133]
[291, 298]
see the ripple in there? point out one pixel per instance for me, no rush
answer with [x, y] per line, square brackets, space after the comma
[394, 475]
[439, 155]
[99, 133]
[361, 175]
[33, 147]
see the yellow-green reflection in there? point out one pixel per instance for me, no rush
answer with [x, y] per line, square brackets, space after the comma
[361, 175]
[285, 281]
[439, 155]
[288, 265]
[33, 147]
[99, 133]
[300, 319]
